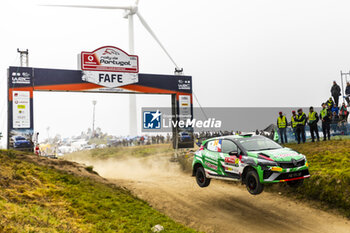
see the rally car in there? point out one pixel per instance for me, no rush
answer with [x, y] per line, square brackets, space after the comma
[253, 160]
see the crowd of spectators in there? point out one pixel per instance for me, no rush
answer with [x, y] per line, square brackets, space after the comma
[332, 116]
[140, 140]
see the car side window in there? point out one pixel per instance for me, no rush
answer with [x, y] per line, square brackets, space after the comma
[214, 145]
[228, 146]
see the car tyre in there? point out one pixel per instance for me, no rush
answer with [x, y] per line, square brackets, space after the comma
[253, 184]
[201, 179]
[295, 183]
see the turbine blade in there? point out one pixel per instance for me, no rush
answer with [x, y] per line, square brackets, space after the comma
[148, 28]
[93, 7]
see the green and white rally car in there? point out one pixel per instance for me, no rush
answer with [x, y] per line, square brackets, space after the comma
[253, 160]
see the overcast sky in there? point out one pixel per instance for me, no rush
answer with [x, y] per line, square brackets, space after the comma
[240, 53]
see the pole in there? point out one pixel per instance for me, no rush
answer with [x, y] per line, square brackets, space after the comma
[93, 118]
[342, 86]
[131, 33]
[132, 97]
[345, 75]
[24, 57]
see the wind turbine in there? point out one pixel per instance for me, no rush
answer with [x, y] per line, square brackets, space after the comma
[129, 12]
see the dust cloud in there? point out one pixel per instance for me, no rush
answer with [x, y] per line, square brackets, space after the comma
[135, 168]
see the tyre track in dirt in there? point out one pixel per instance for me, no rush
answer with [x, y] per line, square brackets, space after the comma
[221, 207]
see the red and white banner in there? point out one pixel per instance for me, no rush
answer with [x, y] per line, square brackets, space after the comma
[111, 59]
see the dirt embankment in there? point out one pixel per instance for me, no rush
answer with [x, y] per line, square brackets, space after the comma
[221, 207]
[64, 165]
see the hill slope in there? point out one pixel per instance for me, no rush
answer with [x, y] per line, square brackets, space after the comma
[330, 173]
[220, 207]
[39, 195]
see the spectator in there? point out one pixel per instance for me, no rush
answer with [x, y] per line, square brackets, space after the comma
[335, 109]
[330, 102]
[334, 121]
[301, 120]
[282, 127]
[343, 113]
[335, 91]
[326, 119]
[347, 93]
[293, 124]
[312, 121]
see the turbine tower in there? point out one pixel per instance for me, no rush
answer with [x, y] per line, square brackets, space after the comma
[129, 13]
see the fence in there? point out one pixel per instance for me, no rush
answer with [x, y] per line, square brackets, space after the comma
[340, 129]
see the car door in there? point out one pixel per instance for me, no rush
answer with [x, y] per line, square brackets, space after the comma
[211, 155]
[230, 162]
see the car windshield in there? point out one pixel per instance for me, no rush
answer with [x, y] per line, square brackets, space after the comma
[20, 138]
[257, 144]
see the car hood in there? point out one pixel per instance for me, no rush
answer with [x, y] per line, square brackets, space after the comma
[280, 155]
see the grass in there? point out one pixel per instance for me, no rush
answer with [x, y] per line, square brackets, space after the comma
[329, 164]
[122, 152]
[40, 199]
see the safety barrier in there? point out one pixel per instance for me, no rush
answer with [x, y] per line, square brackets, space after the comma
[340, 129]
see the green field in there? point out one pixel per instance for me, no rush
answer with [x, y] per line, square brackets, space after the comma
[329, 164]
[37, 198]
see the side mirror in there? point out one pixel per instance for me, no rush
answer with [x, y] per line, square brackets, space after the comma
[235, 153]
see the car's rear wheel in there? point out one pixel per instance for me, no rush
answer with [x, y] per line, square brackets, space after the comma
[253, 184]
[295, 183]
[201, 179]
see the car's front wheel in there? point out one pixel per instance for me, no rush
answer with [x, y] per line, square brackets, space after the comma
[201, 179]
[253, 184]
[295, 183]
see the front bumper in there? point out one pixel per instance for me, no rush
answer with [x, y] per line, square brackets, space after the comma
[269, 176]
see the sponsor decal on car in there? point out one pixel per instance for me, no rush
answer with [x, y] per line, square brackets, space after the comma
[232, 160]
[212, 166]
[283, 155]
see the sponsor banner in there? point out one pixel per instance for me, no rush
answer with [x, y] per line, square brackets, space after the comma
[109, 58]
[109, 79]
[72, 80]
[20, 139]
[184, 84]
[20, 77]
[185, 107]
[20, 109]
[110, 90]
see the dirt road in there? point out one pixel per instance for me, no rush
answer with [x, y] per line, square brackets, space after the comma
[221, 207]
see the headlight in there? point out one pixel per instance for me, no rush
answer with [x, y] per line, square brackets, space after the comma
[264, 162]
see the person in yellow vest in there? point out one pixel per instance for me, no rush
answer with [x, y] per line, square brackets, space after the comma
[325, 116]
[301, 120]
[293, 124]
[282, 127]
[312, 121]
